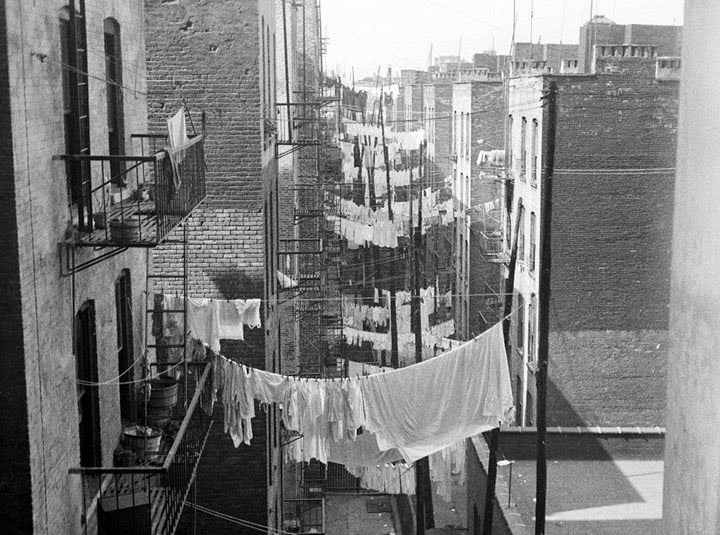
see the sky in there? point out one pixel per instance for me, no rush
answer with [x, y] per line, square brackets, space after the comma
[364, 35]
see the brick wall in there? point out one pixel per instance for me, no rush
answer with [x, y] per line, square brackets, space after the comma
[213, 56]
[611, 242]
[607, 378]
[44, 337]
[612, 232]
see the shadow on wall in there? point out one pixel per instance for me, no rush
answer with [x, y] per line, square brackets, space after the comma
[236, 284]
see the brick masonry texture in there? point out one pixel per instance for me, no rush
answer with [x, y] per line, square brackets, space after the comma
[40, 311]
[209, 55]
[611, 238]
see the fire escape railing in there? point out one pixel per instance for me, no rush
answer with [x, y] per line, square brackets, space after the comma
[148, 498]
[152, 195]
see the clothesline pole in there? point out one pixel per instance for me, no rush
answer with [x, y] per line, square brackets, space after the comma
[550, 96]
[394, 360]
[423, 489]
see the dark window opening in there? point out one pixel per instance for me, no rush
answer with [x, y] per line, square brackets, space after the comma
[76, 118]
[123, 307]
[115, 111]
[523, 148]
[87, 394]
[533, 241]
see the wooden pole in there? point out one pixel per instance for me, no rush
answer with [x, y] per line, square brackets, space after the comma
[550, 96]
[394, 360]
[424, 515]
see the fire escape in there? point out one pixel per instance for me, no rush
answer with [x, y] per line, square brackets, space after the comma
[144, 490]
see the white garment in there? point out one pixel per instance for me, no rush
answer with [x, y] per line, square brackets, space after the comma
[249, 310]
[177, 131]
[423, 408]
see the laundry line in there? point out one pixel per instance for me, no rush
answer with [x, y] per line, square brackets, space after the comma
[405, 414]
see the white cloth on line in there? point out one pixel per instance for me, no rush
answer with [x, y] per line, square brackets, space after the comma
[423, 408]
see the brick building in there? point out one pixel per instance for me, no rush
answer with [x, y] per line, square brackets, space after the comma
[546, 56]
[477, 119]
[602, 31]
[611, 229]
[411, 99]
[219, 57]
[72, 80]
[437, 113]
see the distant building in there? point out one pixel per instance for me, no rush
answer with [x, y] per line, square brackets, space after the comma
[603, 31]
[612, 196]
[477, 113]
[545, 57]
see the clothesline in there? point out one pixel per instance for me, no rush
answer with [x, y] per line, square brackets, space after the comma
[406, 413]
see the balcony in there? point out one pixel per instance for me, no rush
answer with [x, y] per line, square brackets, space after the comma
[148, 496]
[165, 186]
[491, 245]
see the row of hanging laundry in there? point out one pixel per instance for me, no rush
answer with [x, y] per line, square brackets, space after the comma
[495, 158]
[382, 233]
[408, 140]
[360, 313]
[209, 320]
[401, 415]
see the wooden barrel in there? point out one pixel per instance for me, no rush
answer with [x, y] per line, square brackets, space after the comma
[163, 394]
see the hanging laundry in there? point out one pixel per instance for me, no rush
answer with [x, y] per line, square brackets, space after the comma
[423, 408]
[210, 320]
[447, 467]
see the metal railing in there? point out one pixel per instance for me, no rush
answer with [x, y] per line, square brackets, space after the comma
[304, 515]
[148, 498]
[157, 192]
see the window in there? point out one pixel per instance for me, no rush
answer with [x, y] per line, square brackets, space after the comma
[123, 309]
[532, 321]
[521, 237]
[76, 110]
[523, 148]
[518, 400]
[115, 113]
[533, 153]
[455, 132]
[467, 135]
[508, 159]
[530, 410]
[520, 337]
[461, 148]
[533, 230]
[87, 395]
